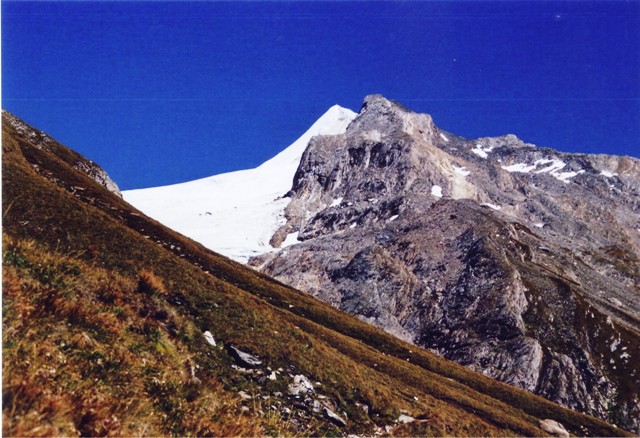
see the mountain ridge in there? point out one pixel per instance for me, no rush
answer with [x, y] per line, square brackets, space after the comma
[565, 220]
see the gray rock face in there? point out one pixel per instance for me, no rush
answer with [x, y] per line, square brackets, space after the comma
[519, 262]
[43, 141]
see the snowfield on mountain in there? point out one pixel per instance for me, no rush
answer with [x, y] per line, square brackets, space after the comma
[236, 213]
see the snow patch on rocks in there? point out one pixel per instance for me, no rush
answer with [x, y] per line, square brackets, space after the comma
[492, 206]
[554, 167]
[461, 170]
[482, 151]
[291, 239]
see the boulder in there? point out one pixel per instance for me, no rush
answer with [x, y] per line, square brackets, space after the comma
[553, 427]
[209, 338]
[244, 359]
[337, 419]
[405, 419]
[300, 385]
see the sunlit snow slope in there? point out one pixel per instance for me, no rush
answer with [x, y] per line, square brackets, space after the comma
[236, 213]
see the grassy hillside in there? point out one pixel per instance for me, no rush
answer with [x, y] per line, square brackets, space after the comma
[104, 312]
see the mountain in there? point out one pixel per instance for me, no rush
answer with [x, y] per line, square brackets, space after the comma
[114, 324]
[519, 262]
[236, 213]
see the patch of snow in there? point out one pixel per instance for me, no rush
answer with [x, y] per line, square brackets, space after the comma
[481, 151]
[247, 205]
[554, 167]
[519, 167]
[393, 218]
[461, 170]
[554, 170]
[436, 191]
[624, 355]
[608, 173]
[444, 137]
[209, 338]
[291, 239]
[336, 202]
[492, 206]
[538, 224]
[564, 176]
[353, 225]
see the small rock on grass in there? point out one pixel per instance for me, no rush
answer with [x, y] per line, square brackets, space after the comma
[300, 385]
[244, 359]
[553, 427]
[209, 338]
[337, 419]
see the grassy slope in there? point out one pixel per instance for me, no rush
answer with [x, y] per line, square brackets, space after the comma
[104, 311]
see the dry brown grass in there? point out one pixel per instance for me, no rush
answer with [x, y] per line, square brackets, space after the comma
[148, 283]
[73, 366]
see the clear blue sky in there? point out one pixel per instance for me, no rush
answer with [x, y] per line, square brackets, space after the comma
[161, 92]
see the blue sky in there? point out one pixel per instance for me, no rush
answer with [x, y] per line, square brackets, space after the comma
[164, 92]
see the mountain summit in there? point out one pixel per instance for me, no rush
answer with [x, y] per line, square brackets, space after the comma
[236, 213]
[517, 261]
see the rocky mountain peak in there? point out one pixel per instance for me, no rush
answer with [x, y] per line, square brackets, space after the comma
[379, 116]
[518, 261]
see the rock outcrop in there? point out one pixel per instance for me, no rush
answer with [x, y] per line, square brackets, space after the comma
[517, 261]
[45, 142]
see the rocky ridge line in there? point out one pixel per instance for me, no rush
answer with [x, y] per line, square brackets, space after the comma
[45, 142]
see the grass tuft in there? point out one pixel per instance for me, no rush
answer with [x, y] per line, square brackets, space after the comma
[149, 284]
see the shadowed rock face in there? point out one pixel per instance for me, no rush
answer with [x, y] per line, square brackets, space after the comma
[516, 261]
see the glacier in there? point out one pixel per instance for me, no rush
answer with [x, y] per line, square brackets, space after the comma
[236, 213]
